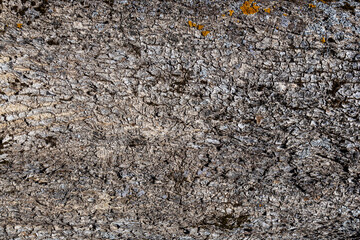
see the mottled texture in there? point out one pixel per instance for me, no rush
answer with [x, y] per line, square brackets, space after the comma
[120, 121]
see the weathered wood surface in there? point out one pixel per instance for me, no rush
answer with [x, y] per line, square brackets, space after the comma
[120, 121]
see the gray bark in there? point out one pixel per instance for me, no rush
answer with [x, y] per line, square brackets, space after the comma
[120, 121]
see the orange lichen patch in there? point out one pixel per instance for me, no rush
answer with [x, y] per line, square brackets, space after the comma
[249, 7]
[200, 27]
[285, 15]
[223, 15]
[19, 25]
[323, 40]
[191, 24]
[231, 12]
[204, 33]
[312, 6]
[268, 10]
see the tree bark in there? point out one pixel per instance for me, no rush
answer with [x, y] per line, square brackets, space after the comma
[123, 120]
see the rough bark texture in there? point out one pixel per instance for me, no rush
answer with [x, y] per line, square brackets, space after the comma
[120, 121]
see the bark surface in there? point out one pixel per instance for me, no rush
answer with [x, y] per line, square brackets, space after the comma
[123, 120]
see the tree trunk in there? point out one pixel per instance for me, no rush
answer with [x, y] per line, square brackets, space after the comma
[179, 119]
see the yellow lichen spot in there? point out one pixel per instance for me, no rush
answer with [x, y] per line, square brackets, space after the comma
[323, 40]
[268, 10]
[312, 6]
[19, 25]
[191, 24]
[204, 33]
[231, 12]
[223, 15]
[285, 15]
[249, 7]
[200, 27]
